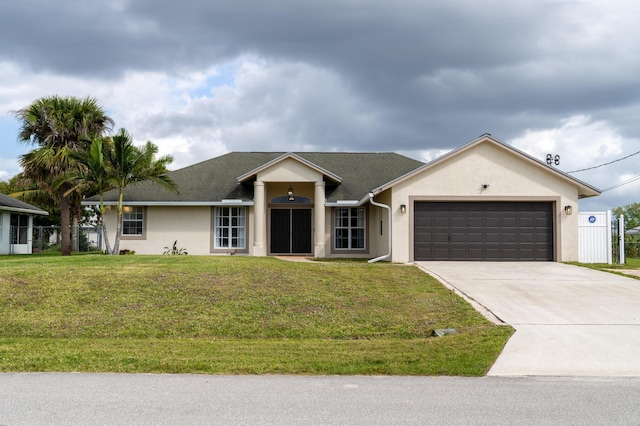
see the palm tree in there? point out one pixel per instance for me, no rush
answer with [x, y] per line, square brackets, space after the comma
[92, 176]
[27, 189]
[130, 164]
[58, 126]
[45, 166]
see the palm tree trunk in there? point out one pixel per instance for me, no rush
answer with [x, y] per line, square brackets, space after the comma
[65, 244]
[105, 235]
[116, 245]
[75, 246]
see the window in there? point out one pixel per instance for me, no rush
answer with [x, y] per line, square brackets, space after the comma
[132, 221]
[19, 228]
[350, 226]
[230, 224]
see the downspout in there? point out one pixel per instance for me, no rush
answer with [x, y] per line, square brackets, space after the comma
[375, 203]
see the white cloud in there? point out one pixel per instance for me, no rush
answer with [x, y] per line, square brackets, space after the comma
[582, 143]
[578, 140]
[263, 106]
[246, 104]
[430, 154]
[8, 168]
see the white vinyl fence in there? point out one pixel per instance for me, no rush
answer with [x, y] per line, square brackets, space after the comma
[594, 237]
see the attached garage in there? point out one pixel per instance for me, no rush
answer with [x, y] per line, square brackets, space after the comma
[487, 230]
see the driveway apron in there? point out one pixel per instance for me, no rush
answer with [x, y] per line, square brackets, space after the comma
[569, 320]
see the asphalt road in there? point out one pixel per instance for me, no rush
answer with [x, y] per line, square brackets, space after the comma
[95, 399]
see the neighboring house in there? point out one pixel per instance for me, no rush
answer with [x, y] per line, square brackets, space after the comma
[16, 225]
[483, 201]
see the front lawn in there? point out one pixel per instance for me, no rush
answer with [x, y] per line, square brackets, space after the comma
[235, 315]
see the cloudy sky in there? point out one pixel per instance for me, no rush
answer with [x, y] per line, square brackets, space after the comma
[200, 78]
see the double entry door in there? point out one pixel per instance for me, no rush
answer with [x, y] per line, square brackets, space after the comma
[290, 231]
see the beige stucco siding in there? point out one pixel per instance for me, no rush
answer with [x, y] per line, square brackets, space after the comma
[328, 230]
[509, 176]
[190, 226]
[289, 170]
[279, 189]
[379, 225]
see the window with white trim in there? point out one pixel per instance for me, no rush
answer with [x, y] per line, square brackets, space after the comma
[231, 228]
[132, 220]
[19, 228]
[350, 228]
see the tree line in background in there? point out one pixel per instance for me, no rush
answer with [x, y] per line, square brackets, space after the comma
[631, 214]
[74, 157]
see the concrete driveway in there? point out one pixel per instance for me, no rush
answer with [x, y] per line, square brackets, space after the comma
[569, 320]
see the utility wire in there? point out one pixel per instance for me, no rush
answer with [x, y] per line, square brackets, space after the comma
[633, 179]
[605, 164]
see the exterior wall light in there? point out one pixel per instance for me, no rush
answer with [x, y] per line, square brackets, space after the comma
[403, 208]
[290, 194]
[568, 210]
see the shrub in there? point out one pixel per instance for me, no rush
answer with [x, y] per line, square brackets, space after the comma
[174, 250]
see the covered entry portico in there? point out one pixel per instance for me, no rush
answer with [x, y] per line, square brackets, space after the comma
[289, 207]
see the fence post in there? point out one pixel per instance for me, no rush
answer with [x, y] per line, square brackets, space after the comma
[621, 238]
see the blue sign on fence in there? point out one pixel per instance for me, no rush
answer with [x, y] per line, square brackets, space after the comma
[592, 219]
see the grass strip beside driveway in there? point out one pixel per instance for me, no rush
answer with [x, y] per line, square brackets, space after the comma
[235, 315]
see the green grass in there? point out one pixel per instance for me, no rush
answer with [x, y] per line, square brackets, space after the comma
[235, 315]
[630, 263]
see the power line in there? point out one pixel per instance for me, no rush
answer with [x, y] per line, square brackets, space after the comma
[633, 179]
[605, 164]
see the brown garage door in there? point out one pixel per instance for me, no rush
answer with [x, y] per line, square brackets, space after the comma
[507, 231]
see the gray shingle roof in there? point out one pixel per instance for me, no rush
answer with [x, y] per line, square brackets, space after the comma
[361, 172]
[217, 179]
[13, 204]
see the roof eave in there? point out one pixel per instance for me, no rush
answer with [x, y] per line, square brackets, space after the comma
[174, 203]
[21, 210]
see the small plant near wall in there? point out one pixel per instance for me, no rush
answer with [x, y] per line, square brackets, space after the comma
[174, 250]
[127, 251]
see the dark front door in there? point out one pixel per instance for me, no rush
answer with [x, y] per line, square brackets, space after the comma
[290, 231]
[280, 231]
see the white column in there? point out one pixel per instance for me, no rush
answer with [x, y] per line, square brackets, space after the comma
[318, 222]
[30, 235]
[5, 222]
[259, 219]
